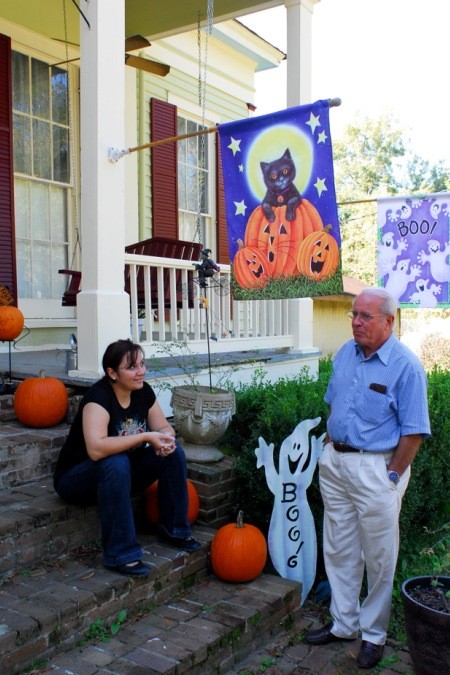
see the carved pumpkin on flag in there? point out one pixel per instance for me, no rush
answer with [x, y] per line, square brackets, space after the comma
[280, 239]
[318, 256]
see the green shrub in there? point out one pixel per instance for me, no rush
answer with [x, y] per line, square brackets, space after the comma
[273, 410]
[426, 502]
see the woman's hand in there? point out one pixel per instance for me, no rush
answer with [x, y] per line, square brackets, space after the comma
[163, 444]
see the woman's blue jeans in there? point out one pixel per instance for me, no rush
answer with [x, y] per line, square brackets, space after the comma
[110, 483]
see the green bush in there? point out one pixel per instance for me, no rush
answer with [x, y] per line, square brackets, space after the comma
[273, 410]
[426, 502]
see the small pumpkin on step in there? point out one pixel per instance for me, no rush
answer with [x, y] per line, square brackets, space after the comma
[238, 551]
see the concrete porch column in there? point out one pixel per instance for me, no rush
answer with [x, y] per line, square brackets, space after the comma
[102, 306]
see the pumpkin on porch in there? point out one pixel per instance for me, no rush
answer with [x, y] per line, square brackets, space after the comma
[250, 267]
[318, 256]
[11, 322]
[280, 239]
[40, 401]
[238, 551]
[152, 508]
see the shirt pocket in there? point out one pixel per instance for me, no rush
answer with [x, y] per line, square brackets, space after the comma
[374, 407]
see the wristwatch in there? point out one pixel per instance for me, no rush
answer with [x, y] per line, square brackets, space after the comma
[393, 476]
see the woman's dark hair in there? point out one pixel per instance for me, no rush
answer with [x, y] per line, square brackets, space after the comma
[115, 352]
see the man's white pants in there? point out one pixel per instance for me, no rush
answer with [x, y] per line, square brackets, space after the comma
[362, 508]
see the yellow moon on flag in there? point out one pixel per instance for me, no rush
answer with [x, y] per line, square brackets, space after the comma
[270, 145]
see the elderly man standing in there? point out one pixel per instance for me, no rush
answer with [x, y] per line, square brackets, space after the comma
[378, 417]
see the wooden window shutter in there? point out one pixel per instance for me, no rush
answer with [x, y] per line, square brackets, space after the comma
[223, 251]
[163, 124]
[8, 275]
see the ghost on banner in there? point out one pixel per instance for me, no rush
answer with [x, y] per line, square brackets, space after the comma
[292, 540]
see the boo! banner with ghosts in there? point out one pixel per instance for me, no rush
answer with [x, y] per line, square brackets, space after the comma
[283, 227]
[414, 249]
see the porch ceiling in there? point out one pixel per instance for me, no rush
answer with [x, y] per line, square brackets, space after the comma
[150, 18]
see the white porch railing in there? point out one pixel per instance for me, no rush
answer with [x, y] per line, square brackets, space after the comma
[177, 311]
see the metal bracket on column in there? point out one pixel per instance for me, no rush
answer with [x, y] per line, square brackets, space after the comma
[114, 154]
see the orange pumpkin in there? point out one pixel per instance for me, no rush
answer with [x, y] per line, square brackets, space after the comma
[238, 551]
[318, 256]
[40, 401]
[280, 240]
[11, 322]
[152, 508]
[250, 267]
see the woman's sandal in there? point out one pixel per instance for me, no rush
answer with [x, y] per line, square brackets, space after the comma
[132, 569]
[185, 544]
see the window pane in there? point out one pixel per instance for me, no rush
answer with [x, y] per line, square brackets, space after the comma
[192, 150]
[58, 214]
[60, 154]
[23, 269]
[192, 190]
[41, 149]
[22, 144]
[20, 82]
[40, 218]
[22, 209]
[191, 228]
[59, 262]
[42, 269]
[40, 93]
[60, 108]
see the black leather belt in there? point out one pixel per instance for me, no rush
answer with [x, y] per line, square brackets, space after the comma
[342, 447]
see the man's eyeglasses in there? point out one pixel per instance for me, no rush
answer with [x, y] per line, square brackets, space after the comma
[364, 317]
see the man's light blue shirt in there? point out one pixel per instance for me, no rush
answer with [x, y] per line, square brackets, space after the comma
[376, 400]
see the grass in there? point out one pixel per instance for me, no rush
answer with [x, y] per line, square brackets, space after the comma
[290, 287]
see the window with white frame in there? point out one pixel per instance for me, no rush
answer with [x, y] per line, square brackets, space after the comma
[42, 174]
[193, 183]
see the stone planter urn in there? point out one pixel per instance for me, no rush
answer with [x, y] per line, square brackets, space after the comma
[201, 417]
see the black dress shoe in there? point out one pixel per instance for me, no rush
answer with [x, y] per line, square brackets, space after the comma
[324, 636]
[369, 654]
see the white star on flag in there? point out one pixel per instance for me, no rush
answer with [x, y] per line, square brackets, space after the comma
[240, 208]
[322, 137]
[320, 186]
[313, 122]
[234, 145]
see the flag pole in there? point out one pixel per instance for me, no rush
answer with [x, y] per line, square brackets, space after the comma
[115, 154]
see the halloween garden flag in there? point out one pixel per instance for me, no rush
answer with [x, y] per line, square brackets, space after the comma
[414, 249]
[283, 228]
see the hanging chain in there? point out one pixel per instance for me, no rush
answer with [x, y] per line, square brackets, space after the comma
[202, 78]
[73, 179]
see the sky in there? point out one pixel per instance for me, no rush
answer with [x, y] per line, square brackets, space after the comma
[377, 56]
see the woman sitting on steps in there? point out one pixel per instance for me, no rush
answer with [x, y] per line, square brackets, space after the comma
[119, 443]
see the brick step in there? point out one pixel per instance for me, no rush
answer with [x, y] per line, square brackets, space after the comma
[47, 608]
[67, 617]
[35, 524]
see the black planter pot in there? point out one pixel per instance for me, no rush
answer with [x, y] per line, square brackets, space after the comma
[427, 630]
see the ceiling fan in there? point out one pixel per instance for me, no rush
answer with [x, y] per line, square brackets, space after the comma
[132, 44]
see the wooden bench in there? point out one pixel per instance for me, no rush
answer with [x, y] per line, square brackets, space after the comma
[156, 246]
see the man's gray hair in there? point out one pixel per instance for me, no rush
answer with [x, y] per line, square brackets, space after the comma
[389, 305]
